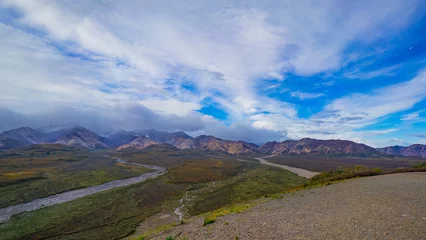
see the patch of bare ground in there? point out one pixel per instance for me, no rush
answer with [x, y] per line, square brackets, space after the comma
[380, 207]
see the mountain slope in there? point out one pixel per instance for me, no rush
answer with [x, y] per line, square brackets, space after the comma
[121, 137]
[308, 146]
[140, 142]
[217, 144]
[78, 137]
[179, 139]
[415, 150]
[20, 137]
[141, 139]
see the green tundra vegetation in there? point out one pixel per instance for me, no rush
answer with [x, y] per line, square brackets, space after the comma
[335, 175]
[117, 212]
[43, 170]
[217, 184]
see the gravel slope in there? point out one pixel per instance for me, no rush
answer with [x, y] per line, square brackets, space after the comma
[380, 207]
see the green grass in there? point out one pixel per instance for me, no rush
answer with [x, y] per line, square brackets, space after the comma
[324, 163]
[358, 171]
[111, 214]
[238, 208]
[155, 231]
[420, 166]
[30, 174]
[342, 174]
[257, 181]
[208, 170]
[224, 184]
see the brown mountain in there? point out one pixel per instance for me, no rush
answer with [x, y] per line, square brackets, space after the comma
[183, 143]
[308, 146]
[179, 139]
[82, 137]
[140, 142]
[217, 144]
[415, 150]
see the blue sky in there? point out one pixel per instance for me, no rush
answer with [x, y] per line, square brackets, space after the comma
[250, 70]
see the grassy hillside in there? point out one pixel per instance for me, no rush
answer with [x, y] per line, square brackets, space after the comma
[256, 182]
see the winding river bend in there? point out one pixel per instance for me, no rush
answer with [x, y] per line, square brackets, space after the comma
[7, 212]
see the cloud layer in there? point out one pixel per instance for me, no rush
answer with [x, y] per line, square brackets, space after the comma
[198, 66]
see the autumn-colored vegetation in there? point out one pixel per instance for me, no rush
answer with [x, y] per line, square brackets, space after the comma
[204, 171]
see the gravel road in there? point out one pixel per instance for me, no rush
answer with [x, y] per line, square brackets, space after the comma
[299, 171]
[381, 207]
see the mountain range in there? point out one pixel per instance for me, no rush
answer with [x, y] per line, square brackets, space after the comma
[142, 139]
[415, 150]
[308, 146]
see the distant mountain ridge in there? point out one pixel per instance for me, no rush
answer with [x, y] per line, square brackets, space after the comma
[217, 144]
[143, 139]
[309, 146]
[140, 142]
[20, 137]
[415, 150]
[77, 136]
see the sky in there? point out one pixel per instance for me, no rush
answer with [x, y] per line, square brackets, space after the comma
[242, 70]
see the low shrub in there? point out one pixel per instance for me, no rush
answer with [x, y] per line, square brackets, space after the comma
[211, 217]
[342, 174]
[331, 176]
[420, 165]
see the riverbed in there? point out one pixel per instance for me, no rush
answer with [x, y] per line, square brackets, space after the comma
[7, 212]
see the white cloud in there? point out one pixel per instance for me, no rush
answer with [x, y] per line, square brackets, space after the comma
[170, 106]
[343, 116]
[306, 95]
[359, 73]
[410, 116]
[223, 48]
[386, 142]
[383, 101]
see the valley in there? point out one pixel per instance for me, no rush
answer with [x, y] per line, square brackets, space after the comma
[78, 189]
[7, 212]
[210, 181]
[221, 120]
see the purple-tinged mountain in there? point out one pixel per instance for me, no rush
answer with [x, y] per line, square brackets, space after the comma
[415, 150]
[20, 137]
[121, 137]
[78, 137]
[140, 142]
[308, 146]
[216, 144]
[84, 138]
[179, 139]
